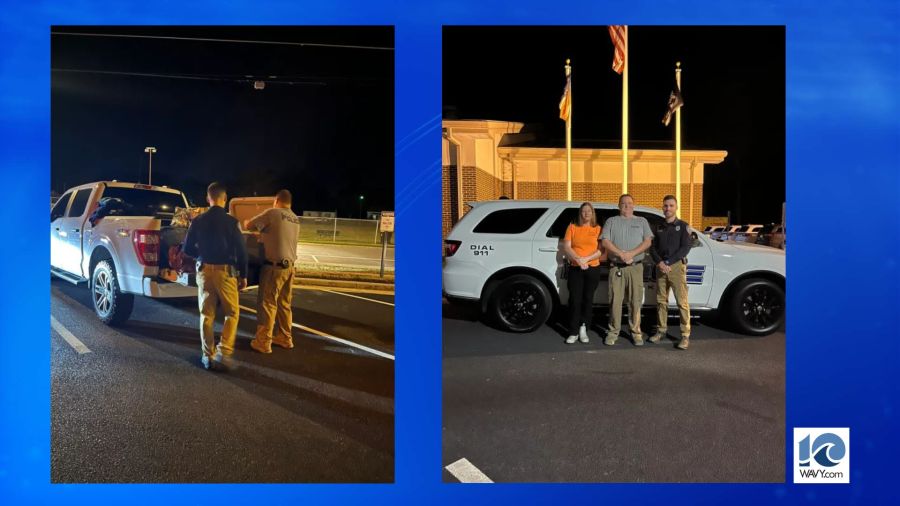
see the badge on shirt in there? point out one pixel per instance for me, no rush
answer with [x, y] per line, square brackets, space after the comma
[678, 228]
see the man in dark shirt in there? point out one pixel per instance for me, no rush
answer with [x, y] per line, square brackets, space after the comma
[215, 241]
[671, 244]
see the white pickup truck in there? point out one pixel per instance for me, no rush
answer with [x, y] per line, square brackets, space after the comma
[120, 250]
[118, 255]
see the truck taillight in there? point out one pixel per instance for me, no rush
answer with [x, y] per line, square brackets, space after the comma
[450, 247]
[146, 246]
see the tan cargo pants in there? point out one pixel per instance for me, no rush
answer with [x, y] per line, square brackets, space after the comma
[216, 285]
[628, 288]
[274, 304]
[676, 280]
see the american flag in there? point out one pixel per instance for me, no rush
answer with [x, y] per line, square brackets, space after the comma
[565, 103]
[617, 34]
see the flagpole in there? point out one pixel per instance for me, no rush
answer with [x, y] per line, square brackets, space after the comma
[678, 137]
[625, 117]
[569, 133]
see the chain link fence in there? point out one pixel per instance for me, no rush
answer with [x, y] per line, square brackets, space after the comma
[341, 231]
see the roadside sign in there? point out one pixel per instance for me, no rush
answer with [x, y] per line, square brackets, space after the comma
[387, 221]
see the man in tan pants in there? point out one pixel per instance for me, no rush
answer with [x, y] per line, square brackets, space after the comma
[669, 251]
[626, 237]
[215, 241]
[279, 228]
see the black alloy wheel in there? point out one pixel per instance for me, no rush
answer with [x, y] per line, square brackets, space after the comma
[757, 307]
[521, 303]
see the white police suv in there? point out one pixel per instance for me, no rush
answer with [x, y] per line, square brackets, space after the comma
[505, 255]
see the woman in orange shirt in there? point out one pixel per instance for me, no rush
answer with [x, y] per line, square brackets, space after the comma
[581, 246]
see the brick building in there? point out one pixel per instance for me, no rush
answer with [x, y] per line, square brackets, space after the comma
[484, 160]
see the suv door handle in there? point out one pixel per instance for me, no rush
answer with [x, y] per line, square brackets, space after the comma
[548, 250]
[75, 230]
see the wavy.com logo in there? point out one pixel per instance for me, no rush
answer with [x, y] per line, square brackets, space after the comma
[821, 455]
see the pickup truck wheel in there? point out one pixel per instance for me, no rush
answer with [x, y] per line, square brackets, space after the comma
[520, 303]
[111, 305]
[757, 307]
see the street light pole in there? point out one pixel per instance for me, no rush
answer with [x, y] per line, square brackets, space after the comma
[361, 198]
[150, 150]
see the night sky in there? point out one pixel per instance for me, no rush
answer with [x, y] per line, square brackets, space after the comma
[323, 128]
[733, 85]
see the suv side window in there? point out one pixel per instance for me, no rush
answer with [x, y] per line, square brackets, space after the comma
[558, 229]
[654, 220]
[60, 208]
[79, 202]
[509, 221]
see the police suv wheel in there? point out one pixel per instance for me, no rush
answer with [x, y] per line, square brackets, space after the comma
[111, 305]
[520, 303]
[757, 307]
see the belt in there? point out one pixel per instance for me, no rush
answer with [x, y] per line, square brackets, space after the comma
[621, 265]
[216, 267]
[284, 264]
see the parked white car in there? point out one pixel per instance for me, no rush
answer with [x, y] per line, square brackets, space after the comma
[746, 233]
[721, 235]
[505, 256]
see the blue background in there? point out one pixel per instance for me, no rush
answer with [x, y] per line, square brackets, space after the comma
[843, 160]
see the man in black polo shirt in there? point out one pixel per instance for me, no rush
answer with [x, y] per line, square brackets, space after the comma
[215, 241]
[671, 244]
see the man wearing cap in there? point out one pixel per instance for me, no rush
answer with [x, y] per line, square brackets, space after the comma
[626, 237]
[669, 252]
[215, 241]
[279, 228]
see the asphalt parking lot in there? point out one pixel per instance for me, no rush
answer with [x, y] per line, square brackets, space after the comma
[132, 404]
[530, 408]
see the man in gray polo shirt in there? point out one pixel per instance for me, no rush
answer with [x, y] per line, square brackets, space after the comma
[280, 229]
[626, 237]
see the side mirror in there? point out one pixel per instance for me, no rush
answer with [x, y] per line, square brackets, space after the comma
[695, 241]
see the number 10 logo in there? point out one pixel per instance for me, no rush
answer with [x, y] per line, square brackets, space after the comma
[821, 455]
[827, 450]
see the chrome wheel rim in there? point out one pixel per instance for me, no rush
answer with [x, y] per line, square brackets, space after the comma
[103, 292]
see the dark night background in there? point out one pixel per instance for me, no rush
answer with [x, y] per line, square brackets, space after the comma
[732, 81]
[322, 128]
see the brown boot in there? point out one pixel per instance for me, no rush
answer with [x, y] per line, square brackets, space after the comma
[284, 342]
[684, 343]
[260, 346]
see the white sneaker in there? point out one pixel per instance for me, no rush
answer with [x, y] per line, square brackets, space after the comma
[571, 339]
[582, 334]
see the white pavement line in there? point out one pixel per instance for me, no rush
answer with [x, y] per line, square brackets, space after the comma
[373, 351]
[314, 258]
[68, 336]
[368, 400]
[465, 472]
[344, 289]
[352, 258]
[356, 297]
